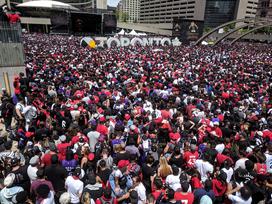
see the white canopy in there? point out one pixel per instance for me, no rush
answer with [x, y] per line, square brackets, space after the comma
[46, 4]
[142, 34]
[122, 32]
[133, 32]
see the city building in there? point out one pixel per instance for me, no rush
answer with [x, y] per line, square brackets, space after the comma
[212, 12]
[265, 9]
[128, 10]
[247, 9]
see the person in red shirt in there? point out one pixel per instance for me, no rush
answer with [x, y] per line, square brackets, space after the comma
[216, 131]
[184, 196]
[46, 159]
[62, 147]
[13, 17]
[76, 138]
[101, 128]
[156, 187]
[190, 157]
[219, 186]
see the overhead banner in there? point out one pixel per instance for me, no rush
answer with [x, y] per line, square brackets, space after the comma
[125, 42]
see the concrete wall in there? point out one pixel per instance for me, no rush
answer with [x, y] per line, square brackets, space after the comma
[11, 62]
[12, 72]
[12, 54]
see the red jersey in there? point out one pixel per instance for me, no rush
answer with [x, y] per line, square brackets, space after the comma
[46, 160]
[190, 158]
[218, 187]
[261, 168]
[185, 198]
[75, 139]
[62, 147]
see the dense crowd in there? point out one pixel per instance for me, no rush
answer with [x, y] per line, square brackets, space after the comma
[174, 125]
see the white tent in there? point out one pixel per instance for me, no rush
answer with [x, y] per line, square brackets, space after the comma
[142, 34]
[122, 32]
[46, 4]
[133, 32]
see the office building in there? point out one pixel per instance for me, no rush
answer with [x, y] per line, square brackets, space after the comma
[264, 9]
[212, 12]
[247, 9]
[128, 10]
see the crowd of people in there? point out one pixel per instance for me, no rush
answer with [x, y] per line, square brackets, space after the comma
[182, 125]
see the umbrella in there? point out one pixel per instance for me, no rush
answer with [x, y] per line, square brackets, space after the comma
[88, 42]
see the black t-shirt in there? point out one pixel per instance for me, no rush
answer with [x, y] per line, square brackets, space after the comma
[42, 133]
[57, 175]
[104, 175]
[21, 177]
[147, 172]
[178, 161]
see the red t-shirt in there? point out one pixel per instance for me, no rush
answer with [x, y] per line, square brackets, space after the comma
[261, 168]
[76, 139]
[62, 147]
[13, 18]
[190, 158]
[218, 187]
[185, 198]
[46, 160]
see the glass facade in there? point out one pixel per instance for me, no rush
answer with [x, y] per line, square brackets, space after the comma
[218, 12]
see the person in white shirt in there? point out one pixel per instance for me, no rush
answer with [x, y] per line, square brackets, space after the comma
[268, 156]
[204, 167]
[173, 180]
[74, 186]
[243, 197]
[240, 163]
[228, 170]
[139, 187]
[46, 196]
[33, 168]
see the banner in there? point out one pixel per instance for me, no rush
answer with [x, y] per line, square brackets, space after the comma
[125, 42]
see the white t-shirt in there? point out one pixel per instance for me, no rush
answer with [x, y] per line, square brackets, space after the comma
[229, 173]
[74, 188]
[239, 200]
[203, 167]
[141, 193]
[268, 162]
[32, 173]
[173, 182]
[240, 163]
[50, 199]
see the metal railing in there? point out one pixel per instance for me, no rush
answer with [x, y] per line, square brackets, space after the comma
[10, 32]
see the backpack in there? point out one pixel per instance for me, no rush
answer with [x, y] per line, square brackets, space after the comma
[111, 201]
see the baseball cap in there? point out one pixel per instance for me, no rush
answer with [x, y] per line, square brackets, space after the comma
[62, 138]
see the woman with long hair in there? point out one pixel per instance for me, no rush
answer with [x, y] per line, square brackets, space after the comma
[164, 168]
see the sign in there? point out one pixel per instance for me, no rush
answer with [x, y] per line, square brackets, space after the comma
[187, 29]
[125, 42]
